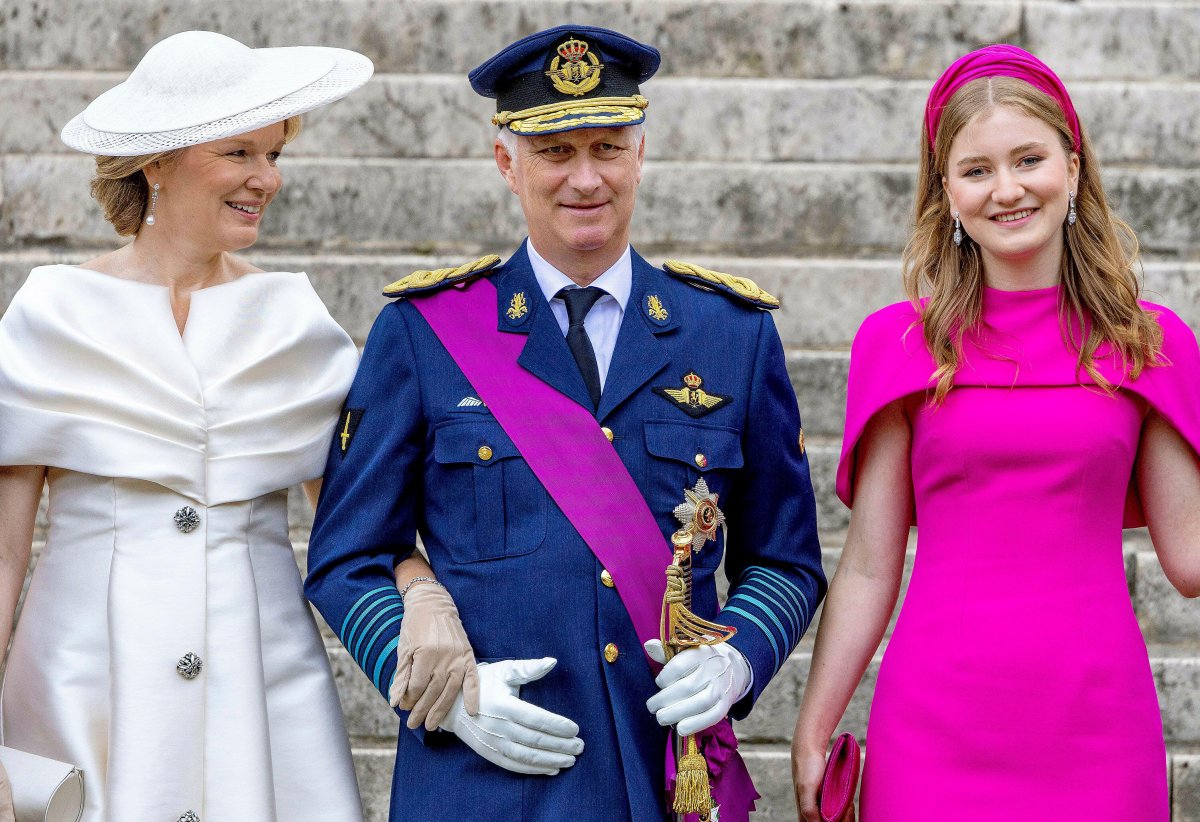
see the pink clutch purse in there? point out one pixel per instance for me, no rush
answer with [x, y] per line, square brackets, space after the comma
[835, 800]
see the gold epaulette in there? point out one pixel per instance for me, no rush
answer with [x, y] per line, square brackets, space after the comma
[740, 287]
[423, 282]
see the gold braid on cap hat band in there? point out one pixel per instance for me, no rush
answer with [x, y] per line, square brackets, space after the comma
[612, 107]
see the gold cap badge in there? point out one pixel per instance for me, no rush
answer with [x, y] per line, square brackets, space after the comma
[576, 69]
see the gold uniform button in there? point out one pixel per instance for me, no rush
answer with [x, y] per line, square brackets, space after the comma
[701, 460]
[611, 653]
[606, 578]
[608, 434]
[484, 452]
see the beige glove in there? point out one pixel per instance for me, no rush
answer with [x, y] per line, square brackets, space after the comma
[7, 814]
[434, 658]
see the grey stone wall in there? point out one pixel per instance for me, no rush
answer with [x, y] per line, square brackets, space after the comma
[781, 145]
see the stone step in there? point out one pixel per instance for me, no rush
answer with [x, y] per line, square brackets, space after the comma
[1177, 679]
[714, 119]
[770, 766]
[1170, 623]
[824, 299]
[749, 39]
[752, 209]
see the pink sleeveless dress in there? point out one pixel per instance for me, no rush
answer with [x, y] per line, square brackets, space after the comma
[1016, 684]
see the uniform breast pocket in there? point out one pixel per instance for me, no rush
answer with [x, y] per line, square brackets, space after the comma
[682, 453]
[482, 468]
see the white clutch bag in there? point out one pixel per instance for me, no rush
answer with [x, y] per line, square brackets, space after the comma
[44, 790]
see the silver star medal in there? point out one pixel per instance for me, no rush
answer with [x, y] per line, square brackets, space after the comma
[699, 514]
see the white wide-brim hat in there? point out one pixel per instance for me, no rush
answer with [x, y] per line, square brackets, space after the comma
[198, 86]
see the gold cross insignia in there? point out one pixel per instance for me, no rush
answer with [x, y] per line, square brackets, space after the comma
[517, 307]
[691, 398]
[349, 424]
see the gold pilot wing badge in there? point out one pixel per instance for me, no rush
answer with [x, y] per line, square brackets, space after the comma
[575, 70]
[692, 399]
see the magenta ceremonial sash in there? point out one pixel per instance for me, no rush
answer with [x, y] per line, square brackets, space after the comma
[572, 458]
[563, 446]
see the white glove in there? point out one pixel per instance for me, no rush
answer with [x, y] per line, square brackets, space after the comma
[510, 732]
[698, 686]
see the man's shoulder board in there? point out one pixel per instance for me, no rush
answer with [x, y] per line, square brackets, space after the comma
[426, 282]
[740, 288]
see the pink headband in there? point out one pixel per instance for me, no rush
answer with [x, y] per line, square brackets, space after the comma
[998, 61]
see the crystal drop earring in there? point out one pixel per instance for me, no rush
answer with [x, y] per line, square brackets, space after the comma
[153, 204]
[1071, 215]
[958, 235]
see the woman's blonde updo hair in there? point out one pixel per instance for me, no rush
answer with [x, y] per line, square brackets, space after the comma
[1099, 283]
[121, 189]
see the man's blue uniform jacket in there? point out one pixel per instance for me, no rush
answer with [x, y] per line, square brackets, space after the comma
[525, 584]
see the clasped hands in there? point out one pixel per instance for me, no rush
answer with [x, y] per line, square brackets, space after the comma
[438, 681]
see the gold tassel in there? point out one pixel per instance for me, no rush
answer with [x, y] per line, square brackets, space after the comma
[691, 782]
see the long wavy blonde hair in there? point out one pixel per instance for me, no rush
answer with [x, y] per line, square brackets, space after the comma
[1098, 300]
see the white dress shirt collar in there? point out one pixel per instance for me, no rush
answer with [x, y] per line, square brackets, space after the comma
[616, 281]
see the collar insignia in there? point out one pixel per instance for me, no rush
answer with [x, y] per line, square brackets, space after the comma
[576, 69]
[655, 309]
[517, 307]
[692, 399]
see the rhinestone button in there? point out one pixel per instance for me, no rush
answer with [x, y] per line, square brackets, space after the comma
[608, 434]
[189, 665]
[186, 519]
[484, 452]
[701, 460]
[190, 816]
[611, 653]
[606, 578]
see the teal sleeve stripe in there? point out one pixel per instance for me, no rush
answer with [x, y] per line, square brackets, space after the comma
[768, 612]
[361, 600]
[781, 584]
[375, 638]
[786, 603]
[788, 586]
[736, 610]
[384, 656]
[780, 606]
[383, 612]
[382, 600]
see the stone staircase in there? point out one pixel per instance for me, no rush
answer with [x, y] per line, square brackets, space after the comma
[782, 145]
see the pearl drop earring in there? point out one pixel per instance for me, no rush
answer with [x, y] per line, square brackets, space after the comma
[153, 204]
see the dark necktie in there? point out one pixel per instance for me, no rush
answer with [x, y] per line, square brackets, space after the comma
[579, 302]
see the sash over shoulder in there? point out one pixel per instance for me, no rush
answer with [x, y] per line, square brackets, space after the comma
[889, 360]
[96, 378]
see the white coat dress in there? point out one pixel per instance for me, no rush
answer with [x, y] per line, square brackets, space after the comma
[165, 646]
